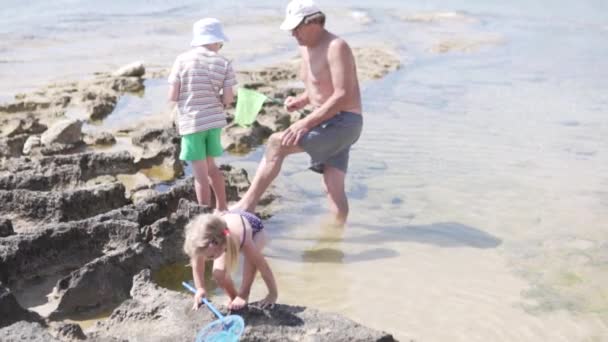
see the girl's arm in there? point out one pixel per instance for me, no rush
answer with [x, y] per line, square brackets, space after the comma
[198, 275]
[252, 254]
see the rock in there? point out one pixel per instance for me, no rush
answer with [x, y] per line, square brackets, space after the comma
[31, 142]
[62, 206]
[68, 331]
[127, 84]
[29, 125]
[26, 331]
[158, 314]
[141, 196]
[11, 311]
[6, 227]
[135, 69]
[12, 146]
[63, 132]
[61, 172]
[103, 104]
[103, 138]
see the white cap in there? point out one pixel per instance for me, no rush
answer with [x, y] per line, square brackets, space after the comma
[296, 11]
[207, 31]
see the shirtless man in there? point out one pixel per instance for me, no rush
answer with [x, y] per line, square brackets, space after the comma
[331, 87]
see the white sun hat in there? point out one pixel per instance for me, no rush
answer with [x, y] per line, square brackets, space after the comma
[296, 11]
[207, 31]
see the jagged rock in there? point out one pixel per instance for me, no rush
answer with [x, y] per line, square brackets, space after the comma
[63, 172]
[6, 227]
[135, 69]
[29, 125]
[103, 138]
[32, 142]
[68, 331]
[26, 331]
[157, 314]
[11, 311]
[102, 105]
[127, 84]
[66, 132]
[239, 139]
[12, 146]
[63, 206]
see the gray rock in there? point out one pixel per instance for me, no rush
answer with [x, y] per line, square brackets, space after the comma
[136, 69]
[158, 314]
[31, 142]
[11, 311]
[66, 131]
[63, 206]
[26, 331]
[6, 227]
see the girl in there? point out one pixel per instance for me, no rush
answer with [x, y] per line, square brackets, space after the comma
[221, 238]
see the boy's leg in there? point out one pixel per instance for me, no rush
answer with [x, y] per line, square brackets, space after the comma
[216, 178]
[214, 149]
[193, 150]
[267, 171]
[333, 180]
[201, 182]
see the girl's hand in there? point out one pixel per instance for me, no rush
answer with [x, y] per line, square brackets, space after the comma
[237, 303]
[269, 301]
[198, 298]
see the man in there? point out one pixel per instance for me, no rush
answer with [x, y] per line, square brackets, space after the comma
[329, 74]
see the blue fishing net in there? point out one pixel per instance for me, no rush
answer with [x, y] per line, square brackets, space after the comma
[227, 329]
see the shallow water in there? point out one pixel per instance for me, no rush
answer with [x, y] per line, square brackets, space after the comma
[479, 188]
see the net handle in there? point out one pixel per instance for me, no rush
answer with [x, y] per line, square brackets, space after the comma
[204, 300]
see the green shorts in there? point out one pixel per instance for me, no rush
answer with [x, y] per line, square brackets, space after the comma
[200, 145]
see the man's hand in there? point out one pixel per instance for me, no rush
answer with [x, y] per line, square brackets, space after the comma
[293, 134]
[291, 103]
[198, 298]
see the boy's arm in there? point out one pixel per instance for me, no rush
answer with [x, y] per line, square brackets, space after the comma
[173, 93]
[227, 96]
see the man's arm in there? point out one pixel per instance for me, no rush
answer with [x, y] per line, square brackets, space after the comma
[301, 100]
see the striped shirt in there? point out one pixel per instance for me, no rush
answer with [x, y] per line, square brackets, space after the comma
[201, 74]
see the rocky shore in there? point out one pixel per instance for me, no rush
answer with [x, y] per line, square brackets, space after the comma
[90, 223]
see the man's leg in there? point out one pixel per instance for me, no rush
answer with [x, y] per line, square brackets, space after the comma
[201, 182]
[333, 180]
[267, 171]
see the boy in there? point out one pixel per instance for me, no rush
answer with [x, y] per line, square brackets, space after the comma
[201, 84]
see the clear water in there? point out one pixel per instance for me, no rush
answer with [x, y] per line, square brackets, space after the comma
[479, 189]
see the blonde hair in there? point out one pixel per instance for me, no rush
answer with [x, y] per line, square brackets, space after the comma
[207, 229]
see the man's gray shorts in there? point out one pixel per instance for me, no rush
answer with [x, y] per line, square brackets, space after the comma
[329, 143]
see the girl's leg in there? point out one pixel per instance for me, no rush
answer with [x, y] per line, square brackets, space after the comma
[216, 178]
[201, 182]
[222, 278]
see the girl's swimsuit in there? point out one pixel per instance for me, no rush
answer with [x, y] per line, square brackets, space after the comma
[254, 221]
